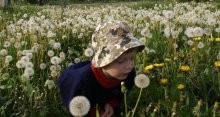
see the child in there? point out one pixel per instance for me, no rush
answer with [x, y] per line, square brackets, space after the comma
[100, 80]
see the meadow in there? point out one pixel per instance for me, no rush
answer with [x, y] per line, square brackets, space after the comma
[181, 58]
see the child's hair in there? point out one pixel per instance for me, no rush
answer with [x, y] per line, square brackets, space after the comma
[110, 40]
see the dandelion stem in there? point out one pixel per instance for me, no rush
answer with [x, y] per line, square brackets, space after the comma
[133, 112]
[219, 80]
[125, 101]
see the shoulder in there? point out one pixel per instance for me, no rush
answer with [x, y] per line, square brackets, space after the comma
[73, 79]
[77, 70]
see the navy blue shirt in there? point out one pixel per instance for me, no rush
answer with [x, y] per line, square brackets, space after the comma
[79, 80]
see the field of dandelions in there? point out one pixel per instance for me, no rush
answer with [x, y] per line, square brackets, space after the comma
[181, 58]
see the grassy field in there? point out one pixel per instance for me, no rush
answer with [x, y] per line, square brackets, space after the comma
[181, 57]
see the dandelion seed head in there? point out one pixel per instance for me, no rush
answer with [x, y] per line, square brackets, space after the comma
[29, 55]
[77, 60]
[79, 106]
[201, 45]
[57, 46]
[5, 76]
[55, 60]
[51, 42]
[29, 64]
[43, 66]
[58, 67]
[8, 58]
[17, 45]
[142, 81]
[53, 68]
[50, 53]
[25, 77]
[29, 71]
[64, 37]
[3, 52]
[20, 64]
[69, 64]
[169, 14]
[88, 52]
[62, 54]
[49, 84]
[12, 40]
[207, 31]
[70, 51]
[2, 87]
[190, 42]
[7, 44]
[53, 73]
[217, 30]
[25, 59]
[6, 63]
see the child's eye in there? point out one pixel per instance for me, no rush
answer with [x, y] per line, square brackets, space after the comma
[120, 61]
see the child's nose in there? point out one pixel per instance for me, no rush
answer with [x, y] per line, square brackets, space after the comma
[130, 64]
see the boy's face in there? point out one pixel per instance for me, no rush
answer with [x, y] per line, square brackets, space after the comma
[121, 67]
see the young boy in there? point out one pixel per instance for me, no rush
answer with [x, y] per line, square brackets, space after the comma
[100, 80]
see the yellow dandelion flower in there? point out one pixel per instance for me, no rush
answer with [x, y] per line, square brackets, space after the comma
[184, 68]
[193, 49]
[167, 59]
[217, 63]
[149, 67]
[197, 38]
[211, 39]
[217, 39]
[164, 81]
[216, 105]
[159, 64]
[180, 87]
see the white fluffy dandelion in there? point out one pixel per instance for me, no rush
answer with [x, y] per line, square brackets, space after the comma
[7, 44]
[190, 42]
[20, 64]
[76, 60]
[55, 60]
[17, 45]
[189, 32]
[198, 31]
[25, 77]
[53, 68]
[29, 55]
[58, 67]
[3, 52]
[5, 76]
[69, 64]
[50, 53]
[88, 52]
[79, 106]
[201, 45]
[29, 64]
[49, 84]
[53, 73]
[57, 46]
[70, 51]
[8, 58]
[169, 14]
[142, 81]
[43, 66]
[25, 59]
[29, 71]
[217, 30]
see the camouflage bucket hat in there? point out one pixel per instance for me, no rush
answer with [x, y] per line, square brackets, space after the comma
[110, 40]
